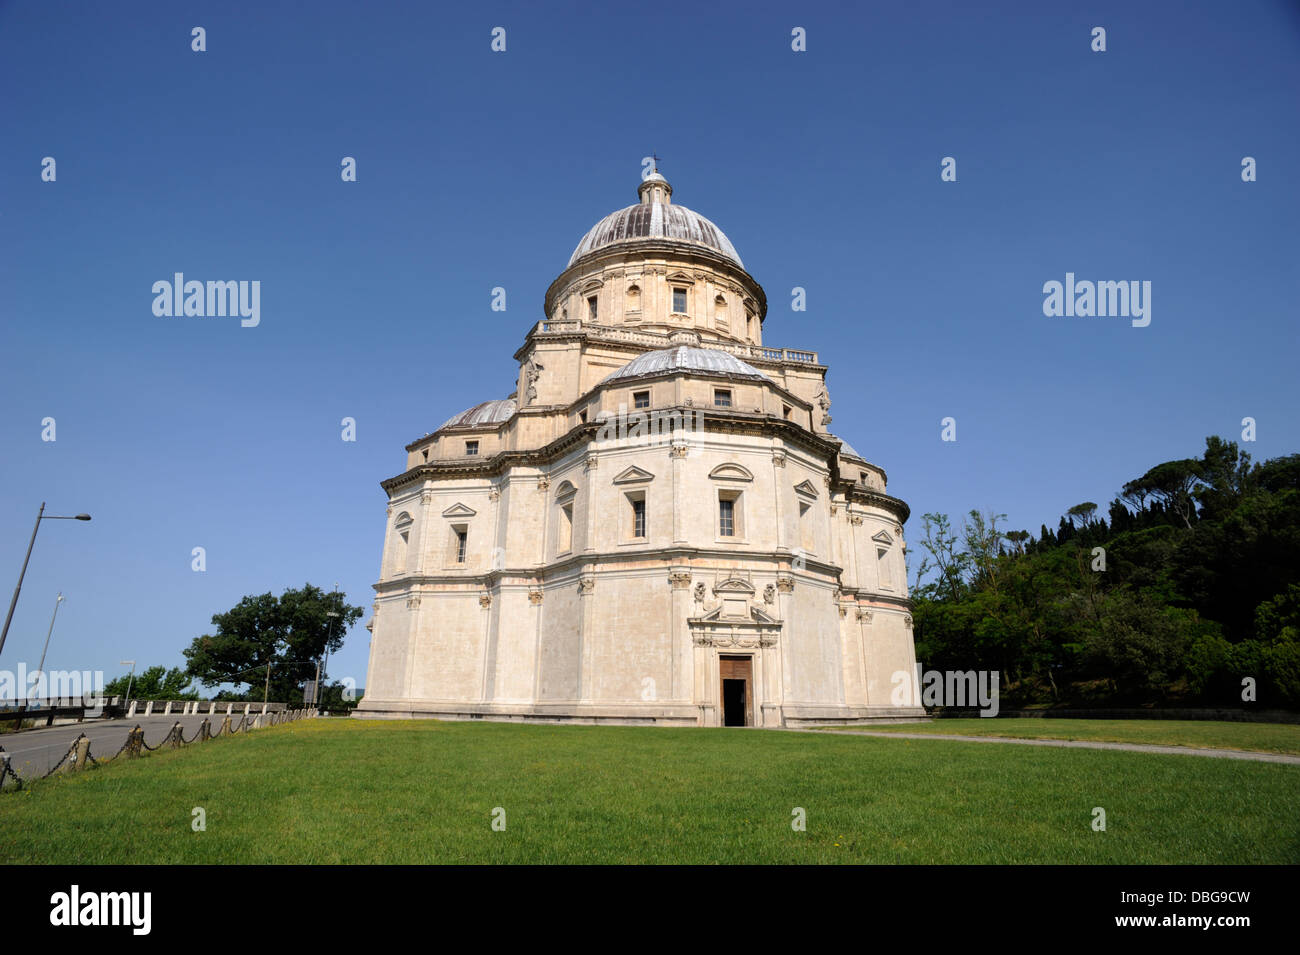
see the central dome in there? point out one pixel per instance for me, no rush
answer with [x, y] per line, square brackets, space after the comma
[655, 217]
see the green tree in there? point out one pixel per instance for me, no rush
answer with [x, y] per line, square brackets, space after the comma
[290, 633]
[155, 683]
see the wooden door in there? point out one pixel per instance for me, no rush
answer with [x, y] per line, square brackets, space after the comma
[735, 690]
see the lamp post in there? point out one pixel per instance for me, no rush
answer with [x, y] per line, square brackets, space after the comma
[41, 669]
[40, 516]
[127, 704]
[329, 633]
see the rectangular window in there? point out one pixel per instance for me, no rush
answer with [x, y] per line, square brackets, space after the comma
[727, 518]
[722, 398]
[638, 518]
[785, 412]
[805, 527]
[566, 528]
[591, 308]
[640, 399]
[471, 447]
[679, 301]
[459, 539]
[886, 572]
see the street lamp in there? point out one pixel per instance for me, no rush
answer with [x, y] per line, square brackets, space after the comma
[40, 516]
[127, 704]
[41, 669]
[328, 634]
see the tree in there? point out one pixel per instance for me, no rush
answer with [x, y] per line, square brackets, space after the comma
[1172, 484]
[155, 683]
[943, 554]
[1082, 513]
[290, 633]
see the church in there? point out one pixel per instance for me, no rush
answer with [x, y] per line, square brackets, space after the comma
[657, 527]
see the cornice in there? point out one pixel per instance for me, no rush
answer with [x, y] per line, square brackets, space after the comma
[723, 422]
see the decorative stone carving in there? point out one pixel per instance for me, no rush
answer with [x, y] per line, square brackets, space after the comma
[412, 603]
[589, 463]
[785, 584]
[907, 621]
[778, 458]
[534, 595]
[485, 601]
[824, 402]
[679, 451]
[543, 483]
[855, 519]
[426, 496]
[494, 495]
[769, 594]
[699, 592]
[864, 616]
[532, 371]
[679, 579]
[586, 585]
[690, 402]
[735, 641]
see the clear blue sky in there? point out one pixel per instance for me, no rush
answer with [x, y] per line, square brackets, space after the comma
[479, 170]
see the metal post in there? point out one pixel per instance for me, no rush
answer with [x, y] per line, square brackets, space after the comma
[23, 573]
[129, 680]
[41, 669]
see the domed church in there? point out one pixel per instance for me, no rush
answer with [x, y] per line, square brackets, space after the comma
[657, 526]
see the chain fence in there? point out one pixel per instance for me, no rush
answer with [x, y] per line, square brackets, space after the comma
[79, 756]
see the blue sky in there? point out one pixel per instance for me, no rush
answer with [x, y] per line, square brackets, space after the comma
[479, 169]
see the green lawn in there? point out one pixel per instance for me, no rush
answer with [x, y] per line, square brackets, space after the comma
[330, 791]
[1261, 737]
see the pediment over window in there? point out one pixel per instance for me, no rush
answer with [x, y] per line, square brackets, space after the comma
[882, 538]
[731, 472]
[459, 510]
[634, 475]
[402, 518]
[734, 585]
[566, 489]
[680, 277]
[805, 488]
[590, 286]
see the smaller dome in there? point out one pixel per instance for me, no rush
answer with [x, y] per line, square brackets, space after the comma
[708, 361]
[847, 449]
[486, 413]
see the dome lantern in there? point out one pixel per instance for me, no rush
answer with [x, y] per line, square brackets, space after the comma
[655, 188]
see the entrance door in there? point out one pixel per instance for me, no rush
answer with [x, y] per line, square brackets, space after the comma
[737, 699]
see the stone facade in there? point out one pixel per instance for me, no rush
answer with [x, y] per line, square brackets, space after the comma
[657, 527]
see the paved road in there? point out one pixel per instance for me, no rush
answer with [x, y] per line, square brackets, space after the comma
[1083, 744]
[33, 752]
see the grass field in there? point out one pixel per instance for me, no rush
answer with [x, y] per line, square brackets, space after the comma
[326, 791]
[1260, 737]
